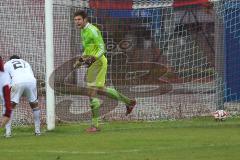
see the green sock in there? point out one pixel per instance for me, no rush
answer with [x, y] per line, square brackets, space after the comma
[95, 105]
[95, 122]
[111, 92]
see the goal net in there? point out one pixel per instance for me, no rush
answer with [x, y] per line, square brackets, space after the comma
[177, 58]
[22, 33]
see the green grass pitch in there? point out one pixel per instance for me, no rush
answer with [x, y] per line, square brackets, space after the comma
[195, 139]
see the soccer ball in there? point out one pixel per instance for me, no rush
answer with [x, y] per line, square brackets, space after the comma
[220, 115]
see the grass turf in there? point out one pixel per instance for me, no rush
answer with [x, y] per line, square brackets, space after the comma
[195, 139]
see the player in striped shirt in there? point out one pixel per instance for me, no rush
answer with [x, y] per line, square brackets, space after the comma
[5, 94]
[93, 56]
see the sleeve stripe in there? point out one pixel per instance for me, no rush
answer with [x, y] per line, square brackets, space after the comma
[93, 30]
[101, 51]
[101, 46]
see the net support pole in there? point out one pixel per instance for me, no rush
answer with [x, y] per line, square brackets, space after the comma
[219, 60]
[50, 100]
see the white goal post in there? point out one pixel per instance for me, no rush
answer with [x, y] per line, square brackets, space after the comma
[50, 97]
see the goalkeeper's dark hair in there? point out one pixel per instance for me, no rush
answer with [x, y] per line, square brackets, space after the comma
[14, 57]
[81, 13]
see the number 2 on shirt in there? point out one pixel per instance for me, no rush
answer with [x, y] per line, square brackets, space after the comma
[18, 64]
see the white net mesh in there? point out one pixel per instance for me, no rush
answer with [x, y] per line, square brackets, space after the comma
[22, 33]
[158, 54]
[229, 13]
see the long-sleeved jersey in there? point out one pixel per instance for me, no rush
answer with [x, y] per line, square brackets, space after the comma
[92, 41]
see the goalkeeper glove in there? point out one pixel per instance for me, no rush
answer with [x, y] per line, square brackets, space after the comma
[79, 62]
[90, 60]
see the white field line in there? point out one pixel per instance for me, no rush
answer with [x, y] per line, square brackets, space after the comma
[195, 146]
[70, 152]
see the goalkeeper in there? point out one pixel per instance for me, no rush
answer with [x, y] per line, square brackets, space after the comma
[93, 56]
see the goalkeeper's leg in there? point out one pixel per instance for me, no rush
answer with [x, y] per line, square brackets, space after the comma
[95, 105]
[96, 75]
[99, 82]
[113, 93]
[130, 103]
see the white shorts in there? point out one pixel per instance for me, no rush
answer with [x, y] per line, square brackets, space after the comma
[28, 90]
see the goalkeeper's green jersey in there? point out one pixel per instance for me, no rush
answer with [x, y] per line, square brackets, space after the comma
[92, 41]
